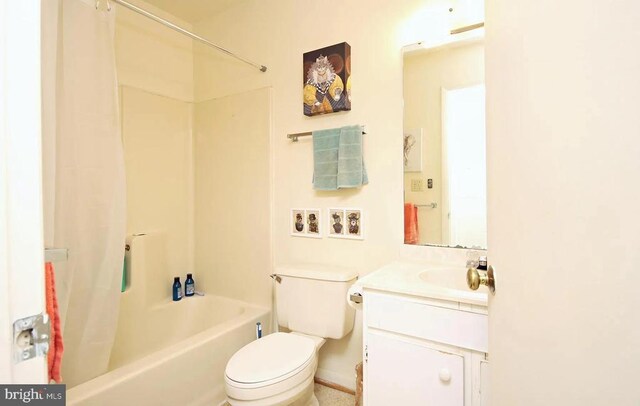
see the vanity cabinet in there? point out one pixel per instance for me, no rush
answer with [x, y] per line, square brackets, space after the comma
[424, 351]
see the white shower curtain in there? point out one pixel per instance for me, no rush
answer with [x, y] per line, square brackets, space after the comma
[84, 179]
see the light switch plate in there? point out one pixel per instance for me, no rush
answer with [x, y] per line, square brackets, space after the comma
[417, 185]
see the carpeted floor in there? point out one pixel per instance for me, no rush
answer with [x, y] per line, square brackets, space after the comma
[331, 397]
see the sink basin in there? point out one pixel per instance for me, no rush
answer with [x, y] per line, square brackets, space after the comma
[448, 278]
[428, 280]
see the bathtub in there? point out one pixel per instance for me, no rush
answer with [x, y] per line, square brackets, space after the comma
[181, 363]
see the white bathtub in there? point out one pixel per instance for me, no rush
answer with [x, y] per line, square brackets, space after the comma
[176, 355]
[165, 352]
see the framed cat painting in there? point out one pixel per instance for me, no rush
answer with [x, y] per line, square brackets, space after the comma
[327, 80]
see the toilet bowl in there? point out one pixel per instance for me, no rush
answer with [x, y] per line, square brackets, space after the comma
[278, 369]
[275, 370]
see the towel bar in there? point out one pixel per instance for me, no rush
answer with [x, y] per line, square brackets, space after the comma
[55, 254]
[294, 137]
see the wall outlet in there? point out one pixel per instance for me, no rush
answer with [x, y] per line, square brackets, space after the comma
[417, 185]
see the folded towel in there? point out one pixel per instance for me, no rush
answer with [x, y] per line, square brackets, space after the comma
[337, 159]
[351, 170]
[411, 234]
[56, 347]
[325, 159]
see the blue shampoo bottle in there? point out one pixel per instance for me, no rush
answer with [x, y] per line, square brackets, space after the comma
[189, 286]
[177, 289]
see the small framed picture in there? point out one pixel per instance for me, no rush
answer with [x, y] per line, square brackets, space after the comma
[298, 224]
[345, 223]
[306, 223]
[413, 150]
[353, 226]
[336, 222]
[313, 223]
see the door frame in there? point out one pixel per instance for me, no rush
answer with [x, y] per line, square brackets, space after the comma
[21, 216]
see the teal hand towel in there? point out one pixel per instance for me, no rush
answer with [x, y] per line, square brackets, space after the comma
[337, 159]
[325, 159]
[351, 170]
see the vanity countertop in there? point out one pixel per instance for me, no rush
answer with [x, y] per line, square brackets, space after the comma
[431, 280]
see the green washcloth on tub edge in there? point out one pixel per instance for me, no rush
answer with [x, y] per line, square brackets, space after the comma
[337, 159]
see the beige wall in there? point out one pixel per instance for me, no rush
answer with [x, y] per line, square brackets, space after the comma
[158, 161]
[155, 73]
[276, 33]
[425, 74]
[191, 163]
[232, 196]
[152, 57]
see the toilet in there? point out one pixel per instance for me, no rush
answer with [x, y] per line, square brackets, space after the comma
[278, 369]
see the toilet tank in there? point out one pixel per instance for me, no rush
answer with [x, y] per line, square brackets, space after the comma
[312, 299]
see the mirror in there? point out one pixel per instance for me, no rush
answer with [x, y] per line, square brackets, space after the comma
[444, 144]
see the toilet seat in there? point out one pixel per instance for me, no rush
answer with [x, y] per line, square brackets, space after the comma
[271, 366]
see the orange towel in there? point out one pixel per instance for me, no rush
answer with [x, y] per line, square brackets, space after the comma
[56, 348]
[411, 235]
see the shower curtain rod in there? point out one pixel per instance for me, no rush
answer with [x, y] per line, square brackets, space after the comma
[181, 30]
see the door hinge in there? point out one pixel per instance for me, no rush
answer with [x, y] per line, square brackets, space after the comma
[30, 337]
[366, 353]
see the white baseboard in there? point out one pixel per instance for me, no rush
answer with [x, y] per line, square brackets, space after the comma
[348, 381]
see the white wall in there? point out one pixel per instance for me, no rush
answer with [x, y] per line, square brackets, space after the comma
[232, 196]
[425, 74]
[276, 33]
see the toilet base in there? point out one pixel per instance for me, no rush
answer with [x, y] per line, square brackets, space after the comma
[301, 395]
[307, 400]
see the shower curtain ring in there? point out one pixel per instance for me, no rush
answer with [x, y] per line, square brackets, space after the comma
[108, 5]
[97, 4]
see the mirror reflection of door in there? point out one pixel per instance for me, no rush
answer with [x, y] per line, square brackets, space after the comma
[444, 126]
[464, 207]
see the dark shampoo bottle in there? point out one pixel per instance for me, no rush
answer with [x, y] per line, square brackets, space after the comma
[189, 286]
[177, 289]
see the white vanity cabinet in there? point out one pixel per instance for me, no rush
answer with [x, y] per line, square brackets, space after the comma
[423, 351]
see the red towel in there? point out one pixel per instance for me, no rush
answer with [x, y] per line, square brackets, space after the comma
[56, 348]
[411, 235]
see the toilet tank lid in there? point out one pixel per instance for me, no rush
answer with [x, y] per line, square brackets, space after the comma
[317, 271]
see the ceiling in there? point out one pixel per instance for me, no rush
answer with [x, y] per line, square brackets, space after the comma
[192, 11]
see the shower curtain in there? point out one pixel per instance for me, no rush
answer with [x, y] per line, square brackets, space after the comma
[84, 178]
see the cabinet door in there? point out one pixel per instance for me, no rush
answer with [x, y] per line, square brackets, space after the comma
[484, 383]
[402, 372]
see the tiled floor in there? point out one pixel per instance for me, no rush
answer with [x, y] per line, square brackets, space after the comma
[331, 397]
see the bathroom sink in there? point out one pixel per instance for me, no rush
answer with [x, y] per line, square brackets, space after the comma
[429, 280]
[448, 278]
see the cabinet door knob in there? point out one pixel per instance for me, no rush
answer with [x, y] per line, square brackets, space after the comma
[444, 375]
